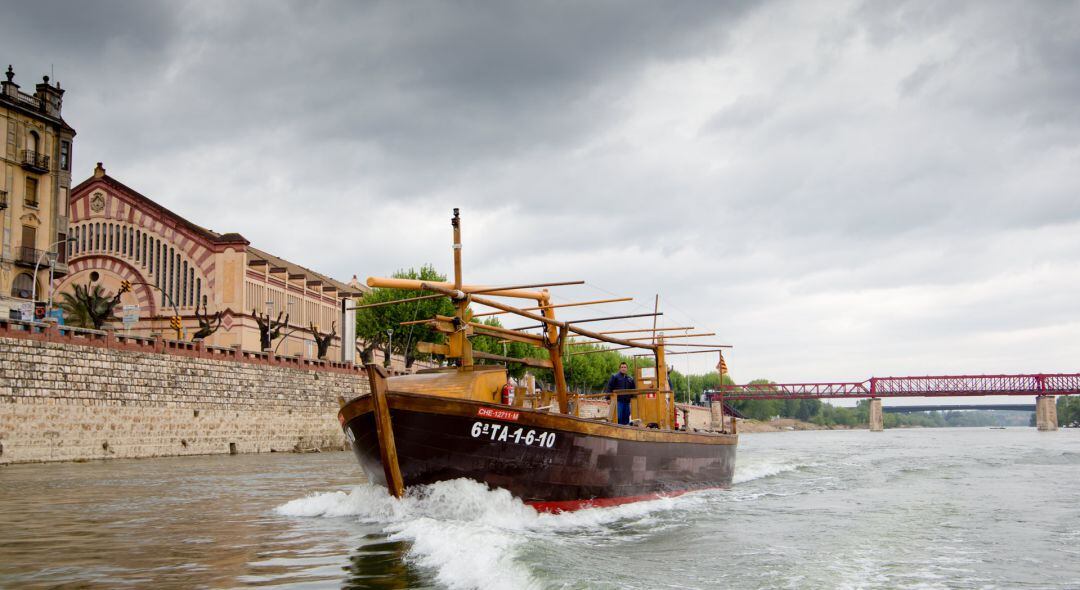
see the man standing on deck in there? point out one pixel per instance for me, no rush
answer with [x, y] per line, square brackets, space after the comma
[619, 381]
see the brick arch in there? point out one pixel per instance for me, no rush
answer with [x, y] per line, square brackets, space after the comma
[143, 293]
[197, 255]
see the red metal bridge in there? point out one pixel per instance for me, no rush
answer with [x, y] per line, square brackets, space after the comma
[939, 386]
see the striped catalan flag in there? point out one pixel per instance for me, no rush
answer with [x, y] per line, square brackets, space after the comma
[722, 365]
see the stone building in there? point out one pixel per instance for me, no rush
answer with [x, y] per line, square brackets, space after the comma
[175, 265]
[36, 156]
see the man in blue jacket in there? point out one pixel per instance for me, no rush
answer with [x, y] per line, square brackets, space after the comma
[619, 381]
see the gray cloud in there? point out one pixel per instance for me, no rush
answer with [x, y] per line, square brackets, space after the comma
[839, 189]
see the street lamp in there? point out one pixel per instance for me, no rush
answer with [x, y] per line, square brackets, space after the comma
[52, 264]
[390, 347]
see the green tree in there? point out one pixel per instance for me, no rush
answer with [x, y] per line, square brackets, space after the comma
[373, 324]
[1068, 411]
[493, 345]
[88, 307]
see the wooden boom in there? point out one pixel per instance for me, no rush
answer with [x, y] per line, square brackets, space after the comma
[567, 326]
[415, 285]
[649, 330]
[558, 305]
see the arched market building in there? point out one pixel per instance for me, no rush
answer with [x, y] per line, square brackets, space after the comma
[175, 265]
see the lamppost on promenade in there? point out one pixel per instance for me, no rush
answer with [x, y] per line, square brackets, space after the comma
[390, 348]
[52, 265]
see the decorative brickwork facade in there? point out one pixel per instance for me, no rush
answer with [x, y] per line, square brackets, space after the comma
[175, 266]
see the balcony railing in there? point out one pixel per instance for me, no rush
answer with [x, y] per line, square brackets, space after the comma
[28, 256]
[35, 161]
[3, 200]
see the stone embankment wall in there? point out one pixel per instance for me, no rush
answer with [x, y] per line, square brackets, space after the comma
[73, 395]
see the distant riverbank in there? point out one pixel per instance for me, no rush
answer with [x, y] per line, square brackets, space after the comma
[786, 425]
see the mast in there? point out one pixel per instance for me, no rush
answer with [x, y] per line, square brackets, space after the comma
[553, 343]
[459, 341]
[663, 386]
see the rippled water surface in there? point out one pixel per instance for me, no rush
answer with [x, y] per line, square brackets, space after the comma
[946, 508]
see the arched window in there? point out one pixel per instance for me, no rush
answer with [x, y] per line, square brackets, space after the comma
[22, 287]
[198, 289]
[184, 287]
[177, 292]
[33, 140]
[138, 245]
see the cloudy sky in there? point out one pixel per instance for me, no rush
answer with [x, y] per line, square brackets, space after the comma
[839, 189]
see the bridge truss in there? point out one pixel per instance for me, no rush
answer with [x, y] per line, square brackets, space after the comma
[929, 386]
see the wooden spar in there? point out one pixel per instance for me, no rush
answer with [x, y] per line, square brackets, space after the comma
[576, 304]
[649, 330]
[602, 350]
[656, 309]
[409, 300]
[440, 322]
[508, 334]
[701, 345]
[528, 362]
[540, 318]
[694, 351]
[602, 319]
[678, 336]
[415, 285]
[616, 317]
[384, 430]
[514, 287]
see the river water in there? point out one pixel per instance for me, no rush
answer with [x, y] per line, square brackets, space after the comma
[941, 508]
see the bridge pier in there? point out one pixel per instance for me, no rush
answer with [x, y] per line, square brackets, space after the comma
[716, 416]
[1046, 413]
[877, 419]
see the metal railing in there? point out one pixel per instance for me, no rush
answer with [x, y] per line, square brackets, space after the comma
[3, 200]
[35, 160]
[27, 255]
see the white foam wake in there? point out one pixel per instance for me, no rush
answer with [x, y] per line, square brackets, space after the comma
[763, 469]
[468, 534]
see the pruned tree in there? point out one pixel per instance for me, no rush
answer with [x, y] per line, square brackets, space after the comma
[89, 307]
[207, 324]
[322, 341]
[269, 330]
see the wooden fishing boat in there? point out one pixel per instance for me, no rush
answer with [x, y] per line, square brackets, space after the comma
[448, 423]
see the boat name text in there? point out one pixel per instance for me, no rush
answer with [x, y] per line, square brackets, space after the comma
[503, 433]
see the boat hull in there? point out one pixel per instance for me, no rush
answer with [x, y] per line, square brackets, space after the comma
[553, 462]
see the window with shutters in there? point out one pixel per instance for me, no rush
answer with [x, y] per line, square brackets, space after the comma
[31, 198]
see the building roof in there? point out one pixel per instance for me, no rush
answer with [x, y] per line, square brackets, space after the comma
[295, 269]
[253, 253]
[148, 203]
